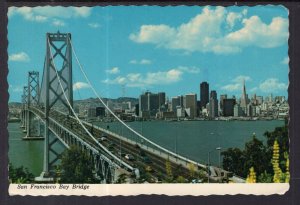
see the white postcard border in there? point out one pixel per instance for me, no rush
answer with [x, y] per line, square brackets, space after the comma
[148, 189]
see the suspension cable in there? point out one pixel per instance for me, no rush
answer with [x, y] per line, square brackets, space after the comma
[122, 122]
[86, 130]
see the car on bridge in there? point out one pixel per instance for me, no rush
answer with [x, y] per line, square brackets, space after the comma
[129, 157]
[102, 139]
[146, 159]
[122, 154]
[142, 153]
[196, 181]
[111, 146]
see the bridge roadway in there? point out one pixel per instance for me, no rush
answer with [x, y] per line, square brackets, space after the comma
[154, 167]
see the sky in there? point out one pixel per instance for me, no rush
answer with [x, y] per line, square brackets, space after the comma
[127, 50]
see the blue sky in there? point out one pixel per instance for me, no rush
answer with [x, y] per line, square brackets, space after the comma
[128, 50]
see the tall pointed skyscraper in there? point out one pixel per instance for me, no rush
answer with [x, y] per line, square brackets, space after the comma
[244, 99]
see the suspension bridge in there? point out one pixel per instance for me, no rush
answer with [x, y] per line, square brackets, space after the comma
[48, 114]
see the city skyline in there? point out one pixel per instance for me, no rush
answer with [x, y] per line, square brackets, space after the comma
[237, 95]
[157, 62]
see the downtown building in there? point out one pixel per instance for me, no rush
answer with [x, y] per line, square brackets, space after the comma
[228, 107]
[244, 101]
[221, 104]
[93, 112]
[190, 105]
[204, 95]
[150, 103]
[213, 105]
[177, 102]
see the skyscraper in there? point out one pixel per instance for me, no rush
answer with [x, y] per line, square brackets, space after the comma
[204, 94]
[143, 103]
[222, 98]
[161, 98]
[153, 102]
[228, 107]
[244, 99]
[175, 102]
[213, 104]
[191, 104]
[149, 103]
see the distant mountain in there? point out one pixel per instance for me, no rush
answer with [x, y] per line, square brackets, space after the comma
[89, 102]
[15, 105]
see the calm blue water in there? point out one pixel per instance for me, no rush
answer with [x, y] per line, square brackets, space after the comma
[194, 138]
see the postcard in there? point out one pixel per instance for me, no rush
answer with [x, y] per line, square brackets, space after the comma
[130, 100]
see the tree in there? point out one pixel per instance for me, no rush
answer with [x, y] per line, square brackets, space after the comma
[192, 170]
[169, 171]
[121, 179]
[275, 162]
[251, 178]
[265, 177]
[256, 156]
[180, 179]
[287, 169]
[76, 167]
[281, 135]
[267, 161]
[232, 159]
[19, 175]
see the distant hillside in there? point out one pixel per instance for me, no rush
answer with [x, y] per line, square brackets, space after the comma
[118, 100]
[14, 104]
[89, 102]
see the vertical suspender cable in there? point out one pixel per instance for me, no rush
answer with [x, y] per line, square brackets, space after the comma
[86, 130]
[132, 130]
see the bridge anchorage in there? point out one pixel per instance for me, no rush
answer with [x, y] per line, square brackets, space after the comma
[48, 113]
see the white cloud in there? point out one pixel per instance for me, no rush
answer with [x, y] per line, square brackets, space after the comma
[257, 33]
[80, 85]
[113, 70]
[272, 85]
[157, 34]
[57, 22]
[237, 83]
[94, 25]
[252, 90]
[141, 62]
[133, 62]
[20, 57]
[232, 87]
[117, 80]
[193, 69]
[11, 11]
[28, 14]
[151, 78]
[285, 61]
[82, 11]
[241, 78]
[16, 89]
[205, 32]
[145, 62]
[233, 17]
[42, 14]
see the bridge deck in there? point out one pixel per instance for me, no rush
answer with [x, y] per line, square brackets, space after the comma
[154, 166]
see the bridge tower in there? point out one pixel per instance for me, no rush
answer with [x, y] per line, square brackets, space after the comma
[57, 74]
[24, 109]
[32, 99]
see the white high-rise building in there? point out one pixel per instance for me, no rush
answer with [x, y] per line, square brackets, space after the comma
[244, 99]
